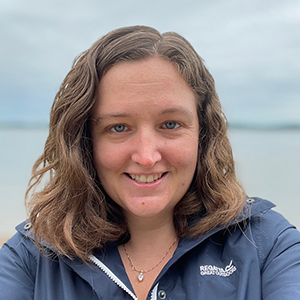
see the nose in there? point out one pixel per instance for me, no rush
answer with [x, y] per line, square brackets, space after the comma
[146, 150]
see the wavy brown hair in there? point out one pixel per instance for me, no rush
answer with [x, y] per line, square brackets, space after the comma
[72, 212]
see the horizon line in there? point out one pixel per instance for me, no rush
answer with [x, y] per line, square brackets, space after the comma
[231, 125]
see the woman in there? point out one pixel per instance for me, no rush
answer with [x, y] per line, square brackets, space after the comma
[142, 200]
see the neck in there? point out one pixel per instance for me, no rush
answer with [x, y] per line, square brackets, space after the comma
[146, 231]
[151, 245]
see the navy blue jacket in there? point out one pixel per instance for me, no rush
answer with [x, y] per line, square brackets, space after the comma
[252, 260]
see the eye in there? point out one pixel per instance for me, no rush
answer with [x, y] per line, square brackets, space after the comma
[119, 128]
[171, 125]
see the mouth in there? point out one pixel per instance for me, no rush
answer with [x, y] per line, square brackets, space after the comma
[145, 178]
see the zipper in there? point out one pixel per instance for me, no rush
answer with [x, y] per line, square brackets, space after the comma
[154, 293]
[112, 276]
[117, 281]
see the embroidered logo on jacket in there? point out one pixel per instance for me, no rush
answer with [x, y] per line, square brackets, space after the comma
[213, 270]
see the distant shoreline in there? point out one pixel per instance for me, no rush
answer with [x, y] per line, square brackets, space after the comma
[231, 125]
[271, 127]
[23, 125]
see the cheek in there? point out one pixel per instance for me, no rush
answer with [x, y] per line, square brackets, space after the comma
[187, 163]
[107, 158]
[185, 157]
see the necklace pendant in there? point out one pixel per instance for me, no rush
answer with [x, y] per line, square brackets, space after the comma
[141, 276]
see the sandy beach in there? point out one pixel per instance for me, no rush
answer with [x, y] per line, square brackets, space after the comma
[3, 239]
[265, 167]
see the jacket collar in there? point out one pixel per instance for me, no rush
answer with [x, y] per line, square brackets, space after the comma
[252, 207]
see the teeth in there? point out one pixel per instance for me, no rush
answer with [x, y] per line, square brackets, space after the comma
[144, 178]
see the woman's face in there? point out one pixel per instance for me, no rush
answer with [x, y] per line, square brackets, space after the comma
[145, 136]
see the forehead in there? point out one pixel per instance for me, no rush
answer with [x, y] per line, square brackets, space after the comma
[152, 77]
[146, 91]
[149, 70]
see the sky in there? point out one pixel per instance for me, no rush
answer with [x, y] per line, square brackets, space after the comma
[251, 47]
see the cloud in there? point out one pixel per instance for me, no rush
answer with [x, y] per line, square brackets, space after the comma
[251, 48]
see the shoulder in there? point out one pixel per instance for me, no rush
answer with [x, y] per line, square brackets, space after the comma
[273, 234]
[20, 254]
[18, 265]
[23, 238]
[278, 248]
[270, 223]
[264, 219]
[21, 247]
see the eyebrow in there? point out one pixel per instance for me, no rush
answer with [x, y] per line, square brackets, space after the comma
[111, 115]
[167, 111]
[173, 110]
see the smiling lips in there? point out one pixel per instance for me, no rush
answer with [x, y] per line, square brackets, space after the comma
[145, 178]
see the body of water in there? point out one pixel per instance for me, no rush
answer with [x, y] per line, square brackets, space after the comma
[267, 163]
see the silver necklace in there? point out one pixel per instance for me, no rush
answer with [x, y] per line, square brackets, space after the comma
[142, 272]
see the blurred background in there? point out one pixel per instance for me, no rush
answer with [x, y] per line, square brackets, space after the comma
[252, 48]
